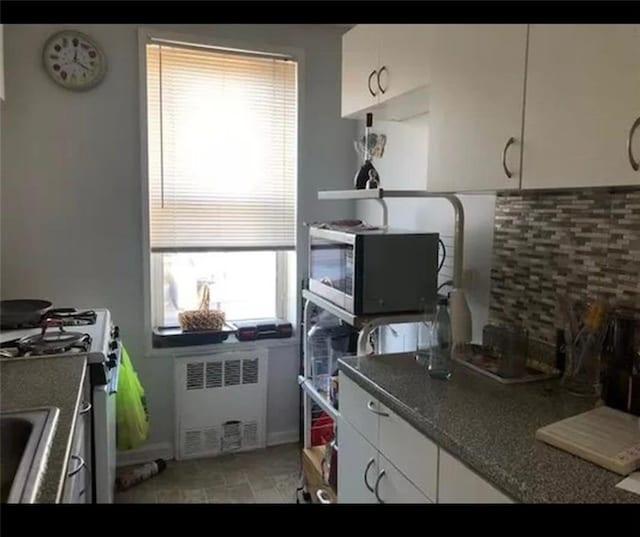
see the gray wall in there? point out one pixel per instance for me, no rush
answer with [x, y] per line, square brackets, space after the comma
[404, 165]
[71, 202]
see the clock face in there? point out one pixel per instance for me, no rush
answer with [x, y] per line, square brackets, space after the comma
[73, 60]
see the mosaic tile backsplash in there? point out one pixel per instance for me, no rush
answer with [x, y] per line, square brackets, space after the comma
[580, 243]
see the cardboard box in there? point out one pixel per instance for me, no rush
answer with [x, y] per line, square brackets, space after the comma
[312, 469]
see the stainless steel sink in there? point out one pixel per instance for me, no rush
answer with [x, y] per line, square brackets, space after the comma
[25, 440]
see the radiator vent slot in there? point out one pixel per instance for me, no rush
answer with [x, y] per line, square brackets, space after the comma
[250, 371]
[195, 375]
[192, 442]
[232, 372]
[232, 439]
[250, 435]
[214, 374]
[211, 439]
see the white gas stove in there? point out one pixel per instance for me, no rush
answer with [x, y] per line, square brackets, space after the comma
[91, 334]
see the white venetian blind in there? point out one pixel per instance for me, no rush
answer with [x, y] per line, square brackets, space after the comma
[222, 139]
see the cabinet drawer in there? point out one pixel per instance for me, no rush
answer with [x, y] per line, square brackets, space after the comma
[410, 451]
[359, 409]
[459, 484]
[75, 488]
[393, 487]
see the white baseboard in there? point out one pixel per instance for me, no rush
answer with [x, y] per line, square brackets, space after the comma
[164, 450]
[146, 453]
[282, 437]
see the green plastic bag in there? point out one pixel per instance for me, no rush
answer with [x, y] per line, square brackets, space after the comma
[132, 417]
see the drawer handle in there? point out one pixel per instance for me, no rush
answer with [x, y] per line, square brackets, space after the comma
[81, 465]
[366, 472]
[85, 408]
[373, 93]
[383, 68]
[378, 412]
[507, 172]
[380, 475]
[323, 497]
[634, 163]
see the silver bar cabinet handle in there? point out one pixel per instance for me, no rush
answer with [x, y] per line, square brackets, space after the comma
[85, 408]
[378, 412]
[634, 163]
[366, 471]
[81, 465]
[380, 475]
[373, 93]
[383, 68]
[507, 172]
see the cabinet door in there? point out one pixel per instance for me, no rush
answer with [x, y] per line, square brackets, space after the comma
[75, 488]
[356, 457]
[459, 484]
[359, 61]
[476, 106]
[393, 487]
[404, 59]
[411, 452]
[583, 96]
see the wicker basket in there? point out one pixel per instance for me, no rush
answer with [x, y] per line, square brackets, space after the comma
[203, 318]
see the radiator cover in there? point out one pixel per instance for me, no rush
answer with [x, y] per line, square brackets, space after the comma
[221, 403]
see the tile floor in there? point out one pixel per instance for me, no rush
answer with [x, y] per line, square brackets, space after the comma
[269, 475]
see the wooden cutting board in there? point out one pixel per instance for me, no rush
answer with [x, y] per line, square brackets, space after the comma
[605, 436]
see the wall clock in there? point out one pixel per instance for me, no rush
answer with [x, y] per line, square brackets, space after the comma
[73, 60]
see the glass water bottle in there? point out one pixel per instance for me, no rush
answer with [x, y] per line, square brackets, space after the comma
[441, 343]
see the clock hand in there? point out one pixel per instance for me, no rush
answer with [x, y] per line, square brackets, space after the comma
[83, 66]
[75, 55]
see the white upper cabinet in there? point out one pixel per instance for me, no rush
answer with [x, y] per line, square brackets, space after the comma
[476, 105]
[359, 68]
[582, 100]
[383, 67]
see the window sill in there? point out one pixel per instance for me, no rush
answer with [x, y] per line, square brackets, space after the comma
[231, 344]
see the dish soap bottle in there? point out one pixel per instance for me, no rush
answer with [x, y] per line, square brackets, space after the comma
[441, 339]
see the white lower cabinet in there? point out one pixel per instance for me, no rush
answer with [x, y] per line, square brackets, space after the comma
[393, 487]
[383, 459]
[366, 476]
[410, 451]
[357, 461]
[459, 484]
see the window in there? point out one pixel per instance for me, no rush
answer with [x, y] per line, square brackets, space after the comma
[222, 166]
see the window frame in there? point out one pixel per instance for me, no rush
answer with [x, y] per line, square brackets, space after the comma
[286, 304]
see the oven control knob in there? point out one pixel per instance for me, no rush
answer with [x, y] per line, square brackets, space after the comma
[112, 360]
[113, 345]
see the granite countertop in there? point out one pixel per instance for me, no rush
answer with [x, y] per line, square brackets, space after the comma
[491, 427]
[47, 381]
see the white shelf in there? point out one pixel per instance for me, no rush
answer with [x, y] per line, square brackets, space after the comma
[378, 194]
[310, 390]
[358, 321]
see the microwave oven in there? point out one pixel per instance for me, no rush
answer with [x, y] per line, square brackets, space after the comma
[374, 271]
